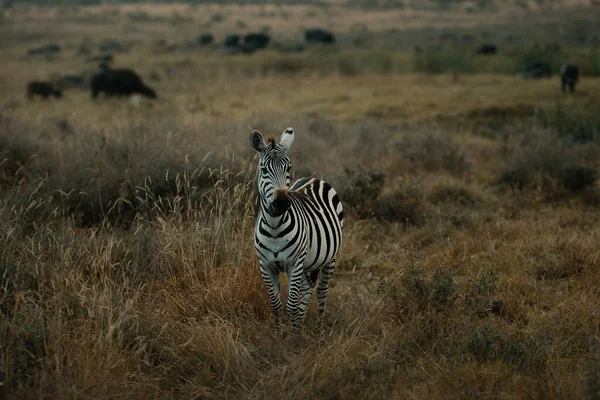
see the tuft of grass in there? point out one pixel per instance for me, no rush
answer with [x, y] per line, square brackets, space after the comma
[488, 343]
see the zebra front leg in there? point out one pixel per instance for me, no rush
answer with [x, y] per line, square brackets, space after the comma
[295, 278]
[271, 279]
[323, 288]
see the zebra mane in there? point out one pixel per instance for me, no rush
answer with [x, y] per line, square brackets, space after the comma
[271, 140]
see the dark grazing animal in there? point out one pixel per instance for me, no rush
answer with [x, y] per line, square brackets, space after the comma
[255, 41]
[319, 36]
[42, 89]
[232, 41]
[487, 49]
[569, 75]
[119, 82]
[205, 39]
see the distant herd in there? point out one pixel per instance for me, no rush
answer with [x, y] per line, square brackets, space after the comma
[125, 82]
[111, 82]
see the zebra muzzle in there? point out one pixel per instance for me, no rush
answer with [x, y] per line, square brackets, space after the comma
[280, 204]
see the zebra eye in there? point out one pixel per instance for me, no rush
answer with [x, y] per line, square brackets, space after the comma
[264, 170]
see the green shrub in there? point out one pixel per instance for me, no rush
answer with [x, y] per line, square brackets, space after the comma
[438, 293]
[479, 295]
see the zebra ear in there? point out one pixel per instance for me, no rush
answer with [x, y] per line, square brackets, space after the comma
[257, 142]
[287, 138]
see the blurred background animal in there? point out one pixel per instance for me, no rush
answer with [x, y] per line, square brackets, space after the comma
[119, 82]
[487, 49]
[42, 89]
[569, 76]
[319, 35]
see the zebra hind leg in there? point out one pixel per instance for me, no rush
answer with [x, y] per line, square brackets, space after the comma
[322, 289]
[306, 290]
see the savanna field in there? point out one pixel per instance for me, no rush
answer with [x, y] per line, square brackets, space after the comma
[470, 266]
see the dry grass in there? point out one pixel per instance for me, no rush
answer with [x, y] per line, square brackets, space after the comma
[469, 268]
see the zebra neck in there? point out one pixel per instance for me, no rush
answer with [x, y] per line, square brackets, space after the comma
[272, 222]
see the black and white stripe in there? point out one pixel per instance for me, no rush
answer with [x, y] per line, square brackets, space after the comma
[298, 230]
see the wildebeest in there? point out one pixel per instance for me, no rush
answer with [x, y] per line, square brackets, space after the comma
[232, 41]
[319, 36]
[255, 41]
[47, 49]
[569, 75]
[42, 89]
[538, 70]
[205, 39]
[119, 82]
[487, 49]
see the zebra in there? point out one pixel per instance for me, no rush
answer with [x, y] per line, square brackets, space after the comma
[298, 230]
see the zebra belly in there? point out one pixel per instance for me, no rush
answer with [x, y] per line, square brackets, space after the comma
[319, 253]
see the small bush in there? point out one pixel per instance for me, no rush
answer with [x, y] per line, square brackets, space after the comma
[362, 189]
[364, 193]
[404, 204]
[485, 343]
[479, 295]
[438, 293]
[434, 152]
[549, 166]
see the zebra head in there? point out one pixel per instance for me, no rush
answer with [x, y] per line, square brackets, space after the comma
[273, 170]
